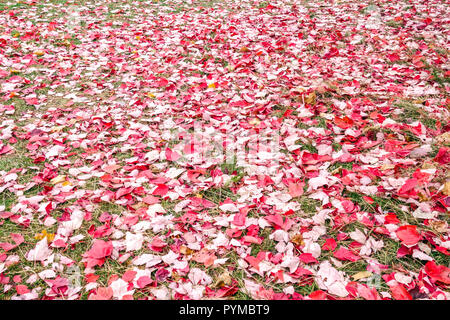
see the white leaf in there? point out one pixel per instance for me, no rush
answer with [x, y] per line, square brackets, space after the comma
[120, 288]
[316, 182]
[134, 241]
[40, 252]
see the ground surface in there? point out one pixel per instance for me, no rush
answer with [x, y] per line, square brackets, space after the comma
[224, 149]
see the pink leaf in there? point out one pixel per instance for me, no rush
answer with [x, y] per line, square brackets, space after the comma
[161, 190]
[22, 289]
[408, 235]
[102, 294]
[307, 258]
[100, 249]
[296, 189]
[330, 244]
[144, 281]
[345, 254]
[437, 272]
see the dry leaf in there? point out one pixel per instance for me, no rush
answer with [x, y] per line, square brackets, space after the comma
[446, 189]
[311, 98]
[139, 205]
[44, 234]
[443, 139]
[387, 166]
[254, 122]
[223, 280]
[439, 226]
[175, 276]
[298, 239]
[186, 251]
[428, 165]
[39, 52]
[362, 275]
[58, 179]
[57, 128]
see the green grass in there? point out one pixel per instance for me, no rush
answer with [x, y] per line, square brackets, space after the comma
[266, 245]
[337, 146]
[394, 24]
[437, 74]
[308, 147]
[108, 207]
[388, 256]
[309, 205]
[386, 204]
[218, 195]
[306, 289]
[340, 165]
[410, 112]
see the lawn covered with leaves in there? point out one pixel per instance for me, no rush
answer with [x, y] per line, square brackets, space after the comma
[173, 149]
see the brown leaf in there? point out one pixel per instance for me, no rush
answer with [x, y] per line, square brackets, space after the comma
[443, 139]
[446, 189]
[311, 98]
[298, 239]
[439, 226]
[186, 251]
[387, 166]
[175, 276]
[223, 280]
[362, 275]
[428, 165]
[139, 205]
[423, 197]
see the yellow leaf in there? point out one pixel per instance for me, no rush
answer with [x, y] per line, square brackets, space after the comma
[446, 189]
[186, 251]
[439, 226]
[362, 275]
[44, 234]
[50, 237]
[428, 165]
[223, 280]
[443, 139]
[212, 85]
[254, 122]
[423, 197]
[58, 179]
[387, 166]
[56, 128]
[39, 236]
[139, 205]
[175, 276]
[297, 239]
[311, 98]
[39, 52]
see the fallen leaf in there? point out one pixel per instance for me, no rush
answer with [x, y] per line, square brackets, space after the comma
[362, 275]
